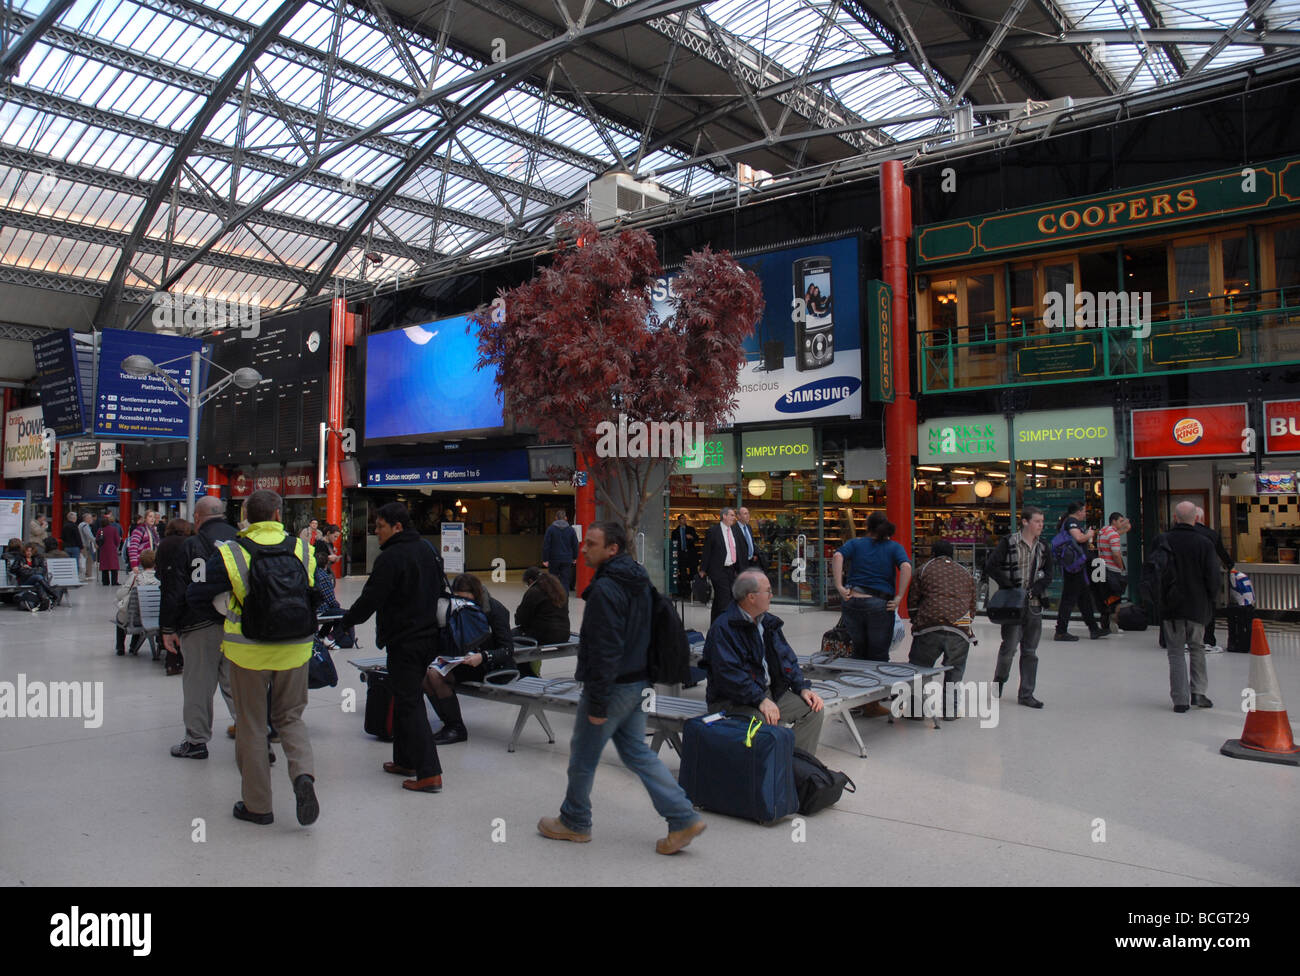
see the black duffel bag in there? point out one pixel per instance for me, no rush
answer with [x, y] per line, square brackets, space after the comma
[1007, 606]
[817, 786]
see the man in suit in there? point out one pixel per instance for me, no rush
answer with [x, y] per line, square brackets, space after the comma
[685, 539]
[723, 554]
[750, 557]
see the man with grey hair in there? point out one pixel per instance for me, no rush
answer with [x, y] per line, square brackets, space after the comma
[1191, 580]
[723, 558]
[752, 668]
[197, 630]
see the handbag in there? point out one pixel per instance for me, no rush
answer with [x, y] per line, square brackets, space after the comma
[837, 642]
[1007, 606]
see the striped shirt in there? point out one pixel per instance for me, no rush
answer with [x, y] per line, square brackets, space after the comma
[1108, 547]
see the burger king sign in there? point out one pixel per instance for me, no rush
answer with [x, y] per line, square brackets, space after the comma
[1178, 432]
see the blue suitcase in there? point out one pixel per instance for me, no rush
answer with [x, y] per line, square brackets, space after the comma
[741, 767]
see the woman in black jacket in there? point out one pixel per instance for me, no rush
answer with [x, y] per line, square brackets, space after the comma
[543, 613]
[169, 562]
[497, 654]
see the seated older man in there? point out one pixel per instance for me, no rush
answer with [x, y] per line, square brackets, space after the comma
[753, 670]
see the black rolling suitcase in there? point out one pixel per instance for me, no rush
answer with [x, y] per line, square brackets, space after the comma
[379, 705]
[1131, 617]
[1240, 621]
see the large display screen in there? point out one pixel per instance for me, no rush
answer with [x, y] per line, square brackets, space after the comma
[421, 380]
[805, 356]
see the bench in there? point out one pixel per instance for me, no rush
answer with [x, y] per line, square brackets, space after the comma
[854, 670]
[143, 607]
[6, 585]
[63, 571]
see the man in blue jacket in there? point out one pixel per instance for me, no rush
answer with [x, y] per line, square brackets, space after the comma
[560, 550]
[752, 668]
[612, 661]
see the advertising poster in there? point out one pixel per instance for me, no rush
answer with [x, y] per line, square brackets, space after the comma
[11, 515]
[453, 548]
[421, 380]
[804, 359]
[85, 457]
[24, 445]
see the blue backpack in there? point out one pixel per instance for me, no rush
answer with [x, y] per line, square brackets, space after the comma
[1068, 554]
[467, 627]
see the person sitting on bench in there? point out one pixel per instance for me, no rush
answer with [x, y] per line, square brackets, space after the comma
[752, 668]
[542, 614]
[497, 654]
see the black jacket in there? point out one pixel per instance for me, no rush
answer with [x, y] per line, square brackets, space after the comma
[403, 589]
[715, 550]
[1214, 537]
[615, 630]
[541, 619]
[176, 614]
[1003, 566]
[1199, 574]
[499, 651]
[733, 657]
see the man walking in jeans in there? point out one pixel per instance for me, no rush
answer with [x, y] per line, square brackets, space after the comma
[612, 664]
[1021, 561]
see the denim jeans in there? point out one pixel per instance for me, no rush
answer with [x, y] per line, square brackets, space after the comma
[1025, 635]
[625, 724]
[870, 622]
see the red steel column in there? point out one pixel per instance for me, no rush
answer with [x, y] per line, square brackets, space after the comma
[125, 484]
[10, 398]
[333, 439]
[56, 497]
[900, 416]
[217, 477]
[584, 513]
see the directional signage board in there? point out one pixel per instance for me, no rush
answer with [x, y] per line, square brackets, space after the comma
[488, 466]
[127, 406]
[58, 375]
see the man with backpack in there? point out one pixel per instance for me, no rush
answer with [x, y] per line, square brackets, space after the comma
[1185, 578]
[267, 638]
[404, 588]
[197, 631]
[1068, 549]
[613, 664]
[752, 668]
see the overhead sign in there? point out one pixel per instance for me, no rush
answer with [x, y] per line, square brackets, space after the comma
[76, 457]
[1282, 427]
[805, 356]
[129, 406]
[1183, 432]
[1049, 434]
[167, 488]
[1229, 192]
[778, 450]
[952, 440]
[465, 469]
[25, 455]
[58, 377]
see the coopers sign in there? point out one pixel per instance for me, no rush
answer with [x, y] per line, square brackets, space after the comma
[1183, 432]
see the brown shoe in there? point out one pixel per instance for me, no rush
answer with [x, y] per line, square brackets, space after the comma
[556, 829]
[872, 710]
[396, 770]
[430, 784]
[230, 731]
[677, 839]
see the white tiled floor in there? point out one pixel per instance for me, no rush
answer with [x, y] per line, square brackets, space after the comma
[1015, 804]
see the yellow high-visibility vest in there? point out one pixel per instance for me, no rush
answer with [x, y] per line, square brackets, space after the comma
[248, 653]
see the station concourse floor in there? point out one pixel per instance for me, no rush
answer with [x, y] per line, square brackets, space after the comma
[1017, 804]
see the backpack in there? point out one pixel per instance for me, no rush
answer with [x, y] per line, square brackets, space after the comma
[816, 785]
[668, 658]
[1160, 578]
[837, 642]
[1067, 552]
[279, 606]
[467, 627]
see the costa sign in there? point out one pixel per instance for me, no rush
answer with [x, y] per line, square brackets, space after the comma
[1180, 432]
[293, 483]
[1282, 427]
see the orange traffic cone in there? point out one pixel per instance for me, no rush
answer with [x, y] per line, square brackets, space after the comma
[1267, 736]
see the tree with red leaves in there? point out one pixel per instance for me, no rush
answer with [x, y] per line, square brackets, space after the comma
[578, 348]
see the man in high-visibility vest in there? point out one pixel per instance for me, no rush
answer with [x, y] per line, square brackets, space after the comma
[273, 602]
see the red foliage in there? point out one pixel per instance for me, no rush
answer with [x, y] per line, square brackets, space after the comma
[578, 345]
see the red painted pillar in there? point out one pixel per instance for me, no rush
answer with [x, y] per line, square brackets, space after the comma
[584, 513]
[9, 400]
[56, 496]
[900, 415]
[217, 478]
[339, 323]
[125, 486]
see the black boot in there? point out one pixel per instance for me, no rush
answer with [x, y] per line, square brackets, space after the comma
[453, 728]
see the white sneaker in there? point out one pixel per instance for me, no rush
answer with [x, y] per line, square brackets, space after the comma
[1213, 649]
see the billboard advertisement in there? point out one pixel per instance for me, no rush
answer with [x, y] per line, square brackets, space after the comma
[25, 455]
[1187, 432]
[129, 407]
[421, 380]
[804, 359]
[78, 457]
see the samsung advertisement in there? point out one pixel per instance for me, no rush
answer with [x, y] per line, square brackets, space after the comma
[805, 357]
[421, 381]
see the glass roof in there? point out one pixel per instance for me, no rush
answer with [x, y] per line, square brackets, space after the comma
[101, 102]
